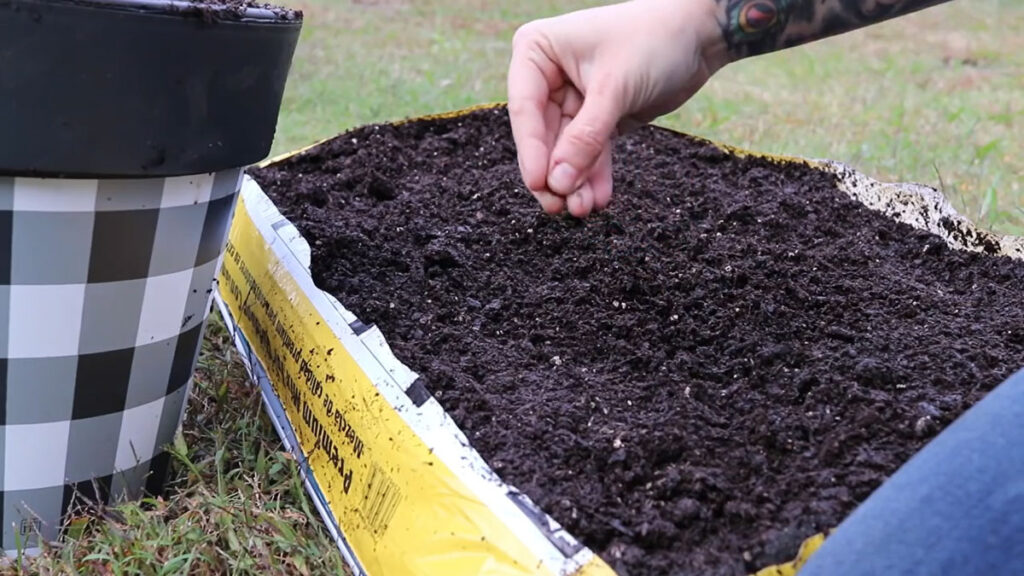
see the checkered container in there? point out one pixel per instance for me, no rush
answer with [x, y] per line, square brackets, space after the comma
[105, 287]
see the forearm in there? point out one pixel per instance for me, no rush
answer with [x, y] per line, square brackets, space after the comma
[751, 27]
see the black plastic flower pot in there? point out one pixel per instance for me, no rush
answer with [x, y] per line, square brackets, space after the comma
[129, 88]
[125, 126]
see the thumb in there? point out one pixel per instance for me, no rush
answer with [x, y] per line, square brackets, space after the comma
[583, 140]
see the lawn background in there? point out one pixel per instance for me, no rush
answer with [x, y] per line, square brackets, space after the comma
[936, 97]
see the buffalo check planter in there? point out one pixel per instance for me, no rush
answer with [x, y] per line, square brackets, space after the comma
[127, 125]
[105, 287]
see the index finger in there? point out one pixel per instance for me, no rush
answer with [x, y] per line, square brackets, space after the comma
[532, 79]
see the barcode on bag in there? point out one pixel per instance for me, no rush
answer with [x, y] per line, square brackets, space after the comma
[379, 501]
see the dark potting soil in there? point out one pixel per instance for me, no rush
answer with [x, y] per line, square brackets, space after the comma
[234, 9]
[724, 363]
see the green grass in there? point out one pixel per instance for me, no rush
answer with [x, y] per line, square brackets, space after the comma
[934, 98]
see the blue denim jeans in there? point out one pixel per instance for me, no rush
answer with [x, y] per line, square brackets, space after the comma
[956, 507]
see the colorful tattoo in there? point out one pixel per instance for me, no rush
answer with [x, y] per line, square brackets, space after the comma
[753, 27]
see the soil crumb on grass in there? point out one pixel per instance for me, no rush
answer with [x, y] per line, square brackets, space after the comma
[724, 363]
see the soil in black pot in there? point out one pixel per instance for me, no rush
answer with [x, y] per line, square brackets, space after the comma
[724, 363]
[212, 9]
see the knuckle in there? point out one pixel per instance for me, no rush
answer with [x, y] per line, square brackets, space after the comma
[518, 107]
[588, 137]
[534, 40]
[525, 35]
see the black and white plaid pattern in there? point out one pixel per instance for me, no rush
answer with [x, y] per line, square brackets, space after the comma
[105, 286]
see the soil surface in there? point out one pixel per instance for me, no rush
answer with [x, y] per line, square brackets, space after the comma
[723, 364]
[234, 9]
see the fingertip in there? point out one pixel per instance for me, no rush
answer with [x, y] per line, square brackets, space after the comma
[549, 203]
[563, 179]
[574, 205]
[581, 202]
[601, 181]
[602, 192]
[532, 158]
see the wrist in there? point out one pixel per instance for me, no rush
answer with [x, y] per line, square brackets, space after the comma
[702, 18]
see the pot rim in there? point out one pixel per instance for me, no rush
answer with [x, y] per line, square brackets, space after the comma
[281, 15]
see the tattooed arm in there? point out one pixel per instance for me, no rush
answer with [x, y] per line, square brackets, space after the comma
[576, 81]
[751, 27]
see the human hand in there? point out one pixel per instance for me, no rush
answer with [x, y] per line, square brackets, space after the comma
[576, 81]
